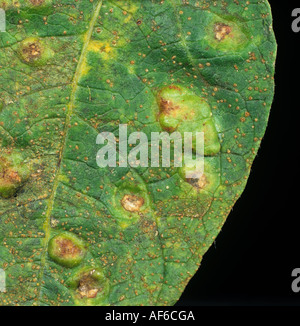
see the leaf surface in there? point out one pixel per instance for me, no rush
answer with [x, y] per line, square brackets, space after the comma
[72, 233]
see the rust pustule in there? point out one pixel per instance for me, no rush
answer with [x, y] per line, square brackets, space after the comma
[132, 203]
[221, 31]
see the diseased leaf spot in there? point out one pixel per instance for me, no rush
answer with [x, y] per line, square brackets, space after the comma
[180, 109]
[10, 180]
[89, 284]
[228, 35]
[207, 181]
[13, 174]
[88, 287]
[221, 31]
[66, 249]
[132, 203]
[198, 182]
[33, 51]
[130, 200]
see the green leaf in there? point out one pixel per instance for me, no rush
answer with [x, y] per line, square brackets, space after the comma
[73, 233]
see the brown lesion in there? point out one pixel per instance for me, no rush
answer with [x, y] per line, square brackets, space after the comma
[10, 179]
[167, 106]
[32, 51]
[66, 248]
[9, 176]
[132, 203]
[222, 31]
[87, 287]
[197, 182]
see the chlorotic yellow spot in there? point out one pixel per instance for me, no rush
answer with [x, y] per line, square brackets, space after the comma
[104, 48]
[130, 7]
[63, 178]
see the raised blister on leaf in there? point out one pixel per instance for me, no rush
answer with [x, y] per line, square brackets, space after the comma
[227, 34]
[34, 51]
[204, 181]
[132, 203]
[14, 172]
[89, 286]
[180, 109]
[130, 200]
[67, 249]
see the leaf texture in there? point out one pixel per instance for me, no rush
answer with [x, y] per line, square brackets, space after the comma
[72, 233]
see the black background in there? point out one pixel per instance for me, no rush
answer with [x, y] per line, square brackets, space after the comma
[257, 249]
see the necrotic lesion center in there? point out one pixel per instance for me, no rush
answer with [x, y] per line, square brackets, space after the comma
[132, 203]
[221, 31]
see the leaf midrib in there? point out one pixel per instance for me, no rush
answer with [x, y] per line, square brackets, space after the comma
[78, 73]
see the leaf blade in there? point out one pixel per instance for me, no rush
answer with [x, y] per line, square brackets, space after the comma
[121, 62]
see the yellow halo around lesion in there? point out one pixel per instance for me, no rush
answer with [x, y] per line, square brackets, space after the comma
[106, 50]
